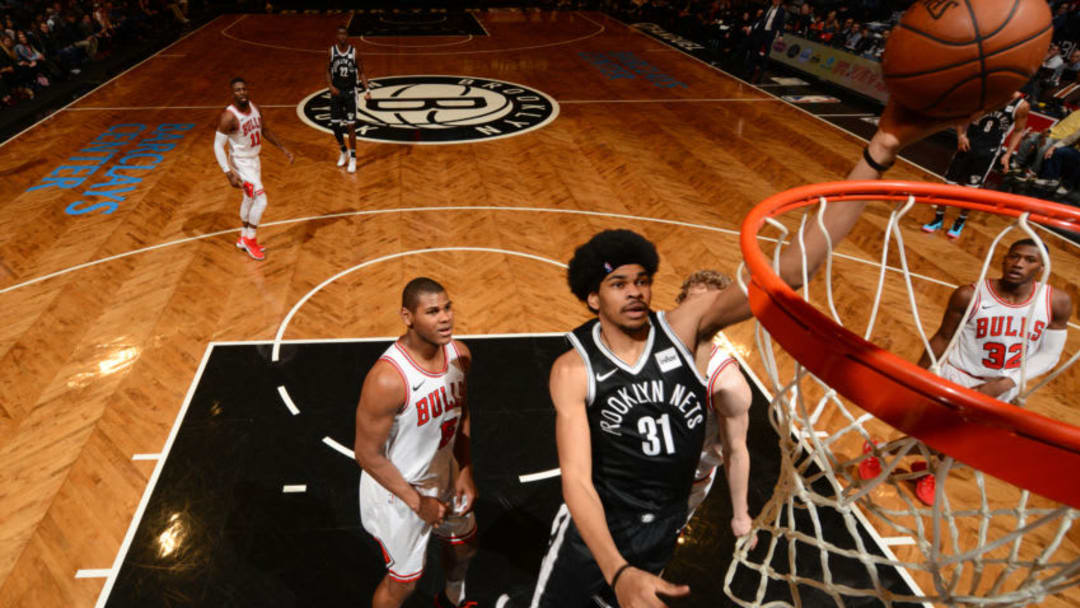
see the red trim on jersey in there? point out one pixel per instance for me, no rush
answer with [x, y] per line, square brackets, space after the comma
[459, 540]
[712, 380]
[1049, 305]
[406, 578]
[404, 380]
[401, 578]
[990, 288]
[250, 112]
[408, 357]
[705, 478]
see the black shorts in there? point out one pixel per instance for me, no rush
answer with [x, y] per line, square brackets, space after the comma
[343, 108]
[971, 168]
[569, 576]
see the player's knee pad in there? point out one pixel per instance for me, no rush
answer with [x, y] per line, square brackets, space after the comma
[258, 205]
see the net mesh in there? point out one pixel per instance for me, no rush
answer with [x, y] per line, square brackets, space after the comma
[845, 525]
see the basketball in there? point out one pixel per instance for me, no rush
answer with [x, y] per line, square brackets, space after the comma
[952, 58]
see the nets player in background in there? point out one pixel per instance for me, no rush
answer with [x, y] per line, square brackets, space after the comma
[243, 127]
[629, 422]
[343, 73]
[412, 442]
[979, 140]
[726, 419]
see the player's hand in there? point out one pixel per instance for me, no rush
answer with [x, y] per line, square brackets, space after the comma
[1005, 158]
[464, 492]
[431, 510]
[334, 91]
[1050, 151]
[234, 179]
[639, 589]
[900, 127]
[963, 143]
[367, 95]
[995, 387]
[742, 525]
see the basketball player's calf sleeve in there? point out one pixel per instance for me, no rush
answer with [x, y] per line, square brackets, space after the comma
[245, 209]
[257, 208]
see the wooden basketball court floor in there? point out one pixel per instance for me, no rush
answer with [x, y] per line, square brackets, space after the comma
[106, 316]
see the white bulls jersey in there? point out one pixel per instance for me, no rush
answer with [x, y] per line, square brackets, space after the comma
[711, 451]
[992, 340]
[421, 441]
[246, 141]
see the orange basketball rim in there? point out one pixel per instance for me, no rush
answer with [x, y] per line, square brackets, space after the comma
[1018, 446]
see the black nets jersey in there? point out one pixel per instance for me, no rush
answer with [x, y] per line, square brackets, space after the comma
[646, 421]
[990, 130]
[343, 68]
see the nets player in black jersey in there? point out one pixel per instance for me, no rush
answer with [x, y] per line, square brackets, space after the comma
[979, 140]
[629, 402]
[344, 72]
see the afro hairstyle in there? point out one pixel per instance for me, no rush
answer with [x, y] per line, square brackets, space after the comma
[604, 253]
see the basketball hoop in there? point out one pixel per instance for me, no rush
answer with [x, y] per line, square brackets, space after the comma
[985, 540]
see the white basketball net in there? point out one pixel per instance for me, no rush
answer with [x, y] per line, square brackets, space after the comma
[983, 542]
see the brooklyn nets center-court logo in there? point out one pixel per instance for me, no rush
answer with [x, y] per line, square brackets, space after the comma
[438, 110]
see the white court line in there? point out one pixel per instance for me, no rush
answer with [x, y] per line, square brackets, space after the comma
[337, 447]
[146, 457]
[296, 307]
[548, 474]
[171, 55]
[541, 334]
[217, 107]
[93, 90]
[455, 208]
[675, 100]
[294, 489]
[288, 400]
[749, 84]
[141, 509]
[602, 28]
[93, 573]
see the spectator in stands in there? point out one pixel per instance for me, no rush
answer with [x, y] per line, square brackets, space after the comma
[829, 28]
[800, 25]
[16, 77]
[1037, 147]
[78, 33]
[31, 57]
[69, 57]
[762, 35]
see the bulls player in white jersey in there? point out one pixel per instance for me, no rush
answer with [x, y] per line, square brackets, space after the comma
[243, 128]
[412, 441]
[728, 415]
[988, 353]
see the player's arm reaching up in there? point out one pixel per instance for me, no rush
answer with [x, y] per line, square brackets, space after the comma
[381, 398]
[226, 124]
[897, 128]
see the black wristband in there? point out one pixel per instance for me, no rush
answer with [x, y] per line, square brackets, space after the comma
[618, 573]
[876, 166]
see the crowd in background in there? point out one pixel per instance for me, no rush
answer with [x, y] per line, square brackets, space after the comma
[43, 43]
